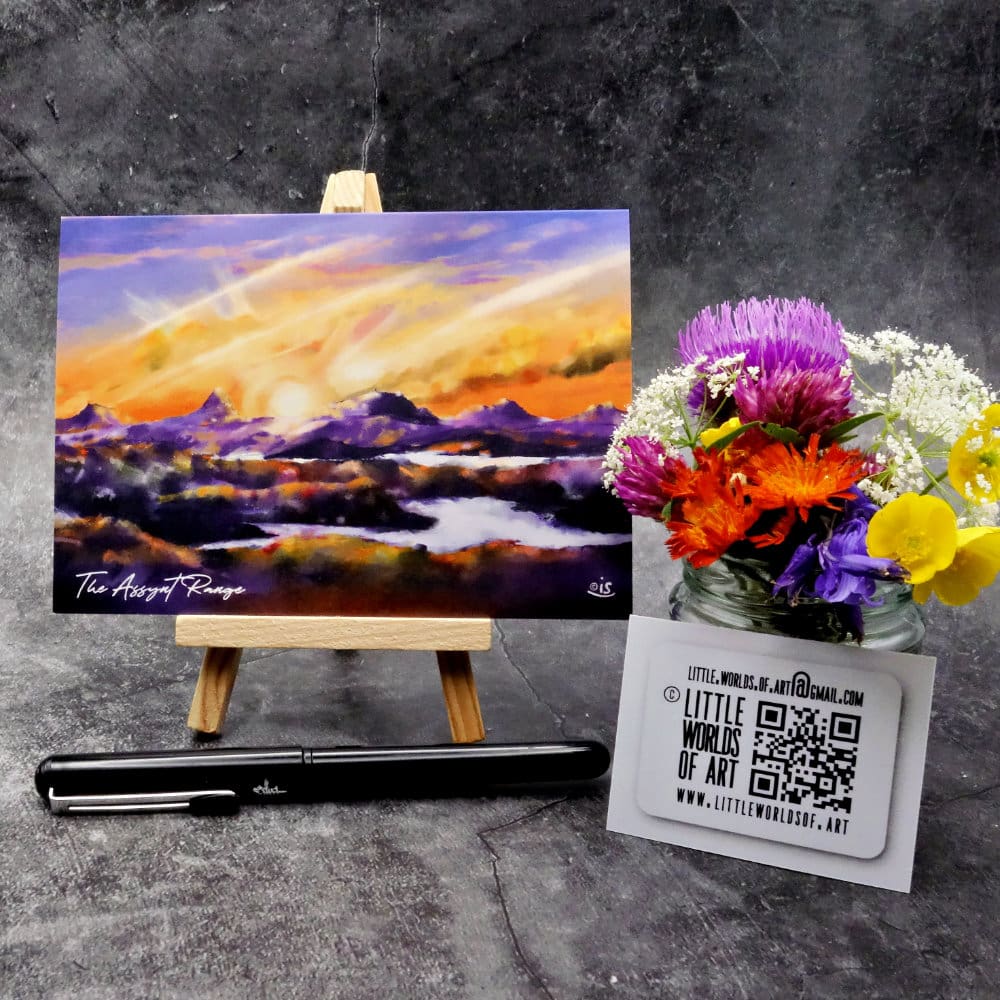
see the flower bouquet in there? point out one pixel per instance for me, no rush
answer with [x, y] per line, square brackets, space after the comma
[823, 476]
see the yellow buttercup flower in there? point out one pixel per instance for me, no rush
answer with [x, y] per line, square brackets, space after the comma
[974, 462]
[710, 435]
[918, 532]
[975, 566]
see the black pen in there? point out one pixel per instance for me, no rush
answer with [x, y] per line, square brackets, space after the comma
[217, 782]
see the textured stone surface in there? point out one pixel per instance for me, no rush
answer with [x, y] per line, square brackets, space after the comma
[843, 149]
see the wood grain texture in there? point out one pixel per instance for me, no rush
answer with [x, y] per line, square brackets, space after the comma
[351, 191]
[213, 690]
[460, 697]
[373, 200]
[320, 632]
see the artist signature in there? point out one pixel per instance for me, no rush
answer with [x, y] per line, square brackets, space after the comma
[601, 588]
[184, 584]
[268, 789]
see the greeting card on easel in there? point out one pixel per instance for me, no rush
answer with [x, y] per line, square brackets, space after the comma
[342, 414]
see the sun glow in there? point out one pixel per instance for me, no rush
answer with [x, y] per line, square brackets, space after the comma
[293, 399]
[291, 336]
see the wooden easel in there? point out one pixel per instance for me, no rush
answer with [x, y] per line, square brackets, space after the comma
[226, 636]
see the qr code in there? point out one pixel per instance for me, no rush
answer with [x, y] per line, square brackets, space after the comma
[805, 755]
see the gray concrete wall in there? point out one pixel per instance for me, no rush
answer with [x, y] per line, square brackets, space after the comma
[841, 149]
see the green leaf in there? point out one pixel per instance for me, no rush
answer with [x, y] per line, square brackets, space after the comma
[665, 513]
[837, 431]
[786, 434]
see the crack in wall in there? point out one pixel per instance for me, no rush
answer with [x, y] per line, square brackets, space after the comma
[973, 793]
[560, 719]
[753, 34]
[483, 836]
[39, 171]
[375, 53]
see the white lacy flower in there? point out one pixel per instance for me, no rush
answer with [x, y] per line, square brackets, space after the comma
[877, 493]
[895, 344]
[862, 348]
[658, 411]
[721, 375]
[930, 397]
[906, 462]
[937, 394]
[882, 347]
[980, 515]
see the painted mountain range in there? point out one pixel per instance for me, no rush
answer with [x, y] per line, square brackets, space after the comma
[377, 506]
[372, 424]
[480, 361]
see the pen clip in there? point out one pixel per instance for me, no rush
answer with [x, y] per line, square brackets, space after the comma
[202, 802]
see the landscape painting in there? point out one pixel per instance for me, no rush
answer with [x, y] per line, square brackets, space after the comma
[360, 414]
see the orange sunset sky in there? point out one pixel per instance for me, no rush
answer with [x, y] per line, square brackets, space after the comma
[288, 315]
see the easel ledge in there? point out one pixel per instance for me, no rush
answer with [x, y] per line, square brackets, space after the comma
[226, 636]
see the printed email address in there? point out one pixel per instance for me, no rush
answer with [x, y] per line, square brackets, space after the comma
[799, 686]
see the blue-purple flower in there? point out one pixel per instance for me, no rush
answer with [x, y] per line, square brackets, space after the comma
[838, 568]
[848, 575]
[794, 370]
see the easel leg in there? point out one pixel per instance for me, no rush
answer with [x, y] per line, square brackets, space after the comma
[460, 696]
[215, 685]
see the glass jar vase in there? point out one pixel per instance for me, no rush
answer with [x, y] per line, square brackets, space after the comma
[738, 595]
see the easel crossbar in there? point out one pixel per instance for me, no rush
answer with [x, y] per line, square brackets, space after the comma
[315, 632]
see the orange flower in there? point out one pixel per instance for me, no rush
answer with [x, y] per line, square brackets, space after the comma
[715, 512]
[784, 477]
[751, 442]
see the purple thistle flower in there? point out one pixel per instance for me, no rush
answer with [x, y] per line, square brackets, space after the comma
[791, 331]
[798, 348]
[811, 401]
[640, 483]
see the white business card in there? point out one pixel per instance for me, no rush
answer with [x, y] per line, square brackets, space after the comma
[795, 753]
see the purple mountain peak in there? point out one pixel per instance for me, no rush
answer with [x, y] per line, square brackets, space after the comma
[215, 408]
[92, 416]
[599, 411]
[394, 405]
[505, 411]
